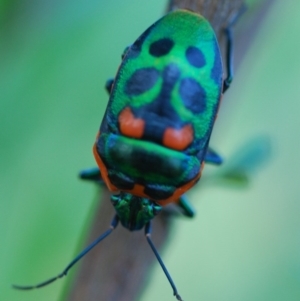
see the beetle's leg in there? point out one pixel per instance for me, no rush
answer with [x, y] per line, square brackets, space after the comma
[212, 157]
[148, 237]
[113, 225]
[108, 85]
[229, 48]
[186, 207]
[91, 174]
[229, 58]
[125, 51]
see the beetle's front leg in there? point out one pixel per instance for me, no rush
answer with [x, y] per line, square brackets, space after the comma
[108, 85]
[91, 174]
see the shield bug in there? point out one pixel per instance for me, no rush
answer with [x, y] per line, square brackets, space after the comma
[154, 137]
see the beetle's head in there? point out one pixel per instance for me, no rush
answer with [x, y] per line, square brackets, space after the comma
[134, 212]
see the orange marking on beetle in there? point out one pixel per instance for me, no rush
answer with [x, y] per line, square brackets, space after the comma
[178, 139]
[129, 125]
[138, 189]
[181, 190]
[102, 167]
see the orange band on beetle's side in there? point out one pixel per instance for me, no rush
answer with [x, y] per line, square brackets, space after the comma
[102, 167]
[138, 189]
[181, 190]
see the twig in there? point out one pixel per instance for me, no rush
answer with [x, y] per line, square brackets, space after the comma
[116, 269]
[218, 12]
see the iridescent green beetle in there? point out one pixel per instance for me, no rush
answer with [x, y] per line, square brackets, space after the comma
[154, 137]
[155, 132]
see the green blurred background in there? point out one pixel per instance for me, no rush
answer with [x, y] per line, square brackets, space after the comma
[54, 59]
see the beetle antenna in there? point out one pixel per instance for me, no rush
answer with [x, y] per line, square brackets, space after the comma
[148, 230]
[113, 225]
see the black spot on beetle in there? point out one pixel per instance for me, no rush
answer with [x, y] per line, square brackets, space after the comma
[193, 95]
[136, 47]
[141, 81]
[159, 113]
[161, 47]
[195, 57]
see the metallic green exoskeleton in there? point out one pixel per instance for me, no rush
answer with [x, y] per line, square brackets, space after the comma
[154, 137]
[163, 103]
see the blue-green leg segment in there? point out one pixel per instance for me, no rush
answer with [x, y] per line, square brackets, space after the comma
[186, 207]
[108, 85]
[91, 174]
[124, 52]
[212, 157]
[229, 48]
[113, 225]
[229, 58]
[148, 231]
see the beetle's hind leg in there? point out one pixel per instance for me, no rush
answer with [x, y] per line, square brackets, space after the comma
[229, 48]
[229, 59]
[186, 207]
